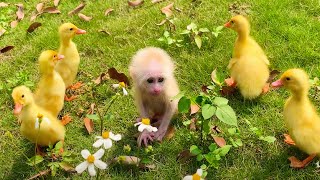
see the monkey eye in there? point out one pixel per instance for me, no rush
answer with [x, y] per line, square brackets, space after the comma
[161, 79]
[150, 80]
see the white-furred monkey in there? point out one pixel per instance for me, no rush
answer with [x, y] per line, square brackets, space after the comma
[154, 84]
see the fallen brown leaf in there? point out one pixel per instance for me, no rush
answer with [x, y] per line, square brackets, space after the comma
[162, 22]
[194, 108]
[167, 10]
[39, 7]
[156, 1]
[219, 140]
[5, 49]
[121, 77]
[204, 89]
[3, 4]
[88, 123]
[34, 16]
[227, 90]
[193, 126]
[135, 3]
[42, 173]
[102, 77]
[14, 23]
[20, 13]
[170, 132]
[91, 110]
[105, 31]
[51, 10]
[56, 2]
[2, 31]
[272, 75]
[215, 129]
[67, 167]
[77, 9]
[84, 17]
[108, 11]
[184, 155]
[66, 119]
[178, 9]
[33, 26]
[131, 160]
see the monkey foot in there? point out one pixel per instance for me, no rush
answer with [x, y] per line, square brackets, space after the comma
[230, 82]
[39, 151]
[66, 119]
[145, 137]
[265, 88]
[296, 163]
[160, 134]
[288, 140]
[66, 98]
[75, 86]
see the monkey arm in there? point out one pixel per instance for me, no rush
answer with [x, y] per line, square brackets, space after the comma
[164, 122]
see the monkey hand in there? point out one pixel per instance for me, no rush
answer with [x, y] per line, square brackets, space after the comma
[160, 133]
[145, 137]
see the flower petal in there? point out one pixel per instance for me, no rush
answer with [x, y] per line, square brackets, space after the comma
[36, 124]
[187, 178]
[142, 127]
[138, 123]
[85, 153]
[115, 137]
[81, 167]
[154, 129]
[199, 172]
[99, 154]
[98, 143]
[98, 137]
[151, 129]
[91, 170]
[100, 164]
[125, 92]
[107, 143]
[115, 85]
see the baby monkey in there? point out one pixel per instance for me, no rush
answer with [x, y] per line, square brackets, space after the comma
[154, 84]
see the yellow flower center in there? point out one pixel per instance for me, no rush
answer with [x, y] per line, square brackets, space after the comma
[196, 177]
[121, 159]
[105, 135]
[40, 116]
[90, 159]
[145, 121]
[122, 84]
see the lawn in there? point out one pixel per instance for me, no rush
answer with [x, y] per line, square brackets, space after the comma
[287, 30]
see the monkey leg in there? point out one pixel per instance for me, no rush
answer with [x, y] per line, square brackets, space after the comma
[145, 137]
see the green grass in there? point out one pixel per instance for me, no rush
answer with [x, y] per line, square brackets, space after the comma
[287, 30]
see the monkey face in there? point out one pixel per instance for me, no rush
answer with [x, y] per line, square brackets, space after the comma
[155, 85]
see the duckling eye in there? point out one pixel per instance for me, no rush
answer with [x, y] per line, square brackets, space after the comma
[22, 96]
[54, 56]
[71, 29]
[288, 79]
[232, 22]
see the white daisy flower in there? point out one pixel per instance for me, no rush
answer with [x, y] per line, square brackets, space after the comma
[105, 139]
[91, 161]
[39, 119]
[196, 176]
[317, 165]
[145, 124]
[121, 85]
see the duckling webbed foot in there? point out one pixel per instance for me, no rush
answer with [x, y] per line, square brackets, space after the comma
[66, 119]
[230, 82]
[265, 88]
[75, 86]
[288, 140]
[296, 163]
[66, 98]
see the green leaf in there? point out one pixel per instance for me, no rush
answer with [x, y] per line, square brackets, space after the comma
[204, 30]
[239, 142]
[170, 40]
[223, 150]
[210, 157]
[219, 101]
[58, 146]
[195, 150]
[186, 123]
[199, 157]
[198, 41]
[208, 111]
[192, 26]
[166, 34]
[206, 126]
[146, 161]
[92, 116]
[108, 117]
[219, 28]
[66, 166]
[178, 96]
[269, 139]
[227, 115]
[203, 166]
[232, 131]
[161, 39]
[212, 147]
[184, 105]
[185, 32]
[35, 160]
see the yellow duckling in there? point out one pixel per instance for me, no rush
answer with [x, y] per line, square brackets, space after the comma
[51, 130]
[51, 88]
[249, 65]
[300, 115]
[68, 68]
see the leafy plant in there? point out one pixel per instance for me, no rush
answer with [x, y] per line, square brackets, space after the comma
[258, 132]
[217, 31]
[315, 85]
[169, 40]
[20, 78]
[195, 33]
